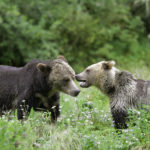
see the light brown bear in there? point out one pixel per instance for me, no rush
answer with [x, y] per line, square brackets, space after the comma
[121, 87]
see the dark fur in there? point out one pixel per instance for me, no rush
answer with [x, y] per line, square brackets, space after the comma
[23, 84]
[128, 92]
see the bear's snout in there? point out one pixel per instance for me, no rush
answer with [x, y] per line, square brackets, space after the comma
[80, 77]
[76, 92]
[77, 77]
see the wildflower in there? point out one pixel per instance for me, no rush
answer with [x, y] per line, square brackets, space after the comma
[88, 116]
[98, 142]
[66, 100]
[23, 100]
[88, 96]
[53, 107]
[91, 123]
[36, 144]
[126, 131]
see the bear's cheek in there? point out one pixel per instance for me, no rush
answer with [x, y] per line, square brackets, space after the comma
[59, 84]
[53, 81]
[54, 78]
[92, 78]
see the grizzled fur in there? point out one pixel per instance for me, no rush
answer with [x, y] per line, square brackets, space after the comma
[36, 85]
[121, 87]
[129, 93]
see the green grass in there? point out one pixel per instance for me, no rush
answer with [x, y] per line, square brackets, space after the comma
[85, 124]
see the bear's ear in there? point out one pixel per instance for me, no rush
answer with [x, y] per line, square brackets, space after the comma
[43, 68]
[62, 58]
[108, 65]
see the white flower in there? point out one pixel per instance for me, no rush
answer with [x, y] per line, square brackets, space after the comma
[98, 142]
[86, 121]
[53, 107]
[23, 100]
[138, 112]
[126, 131]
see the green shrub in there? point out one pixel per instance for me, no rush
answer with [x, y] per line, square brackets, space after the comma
[20, 39]
[83, 31]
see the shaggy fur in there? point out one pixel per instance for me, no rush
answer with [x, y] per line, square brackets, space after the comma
[121, 87]
[36, 85]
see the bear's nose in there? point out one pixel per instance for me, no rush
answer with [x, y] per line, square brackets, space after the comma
[76, 92]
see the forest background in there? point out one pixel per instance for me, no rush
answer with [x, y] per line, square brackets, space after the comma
[84, 31]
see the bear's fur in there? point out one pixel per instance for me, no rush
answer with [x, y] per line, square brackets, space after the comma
[124, 90]
[36, 85]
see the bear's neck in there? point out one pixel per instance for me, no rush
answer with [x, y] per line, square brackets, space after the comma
[108, 88]
[122, 80]
[107, 84]
[40, 82]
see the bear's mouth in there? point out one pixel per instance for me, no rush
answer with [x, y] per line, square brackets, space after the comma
[84, 83]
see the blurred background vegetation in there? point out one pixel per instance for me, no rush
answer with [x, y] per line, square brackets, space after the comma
[84, 31]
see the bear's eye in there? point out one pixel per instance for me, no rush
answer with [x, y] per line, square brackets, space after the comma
[66, 80]
[87, 70]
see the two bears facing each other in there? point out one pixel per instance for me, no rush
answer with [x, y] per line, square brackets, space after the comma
[36, 85]
[123, 90]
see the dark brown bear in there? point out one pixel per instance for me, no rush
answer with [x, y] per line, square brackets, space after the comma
[36, 85]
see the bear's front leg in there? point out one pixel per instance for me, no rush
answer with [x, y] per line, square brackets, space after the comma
[54, 103]
[119, 118]
[23, 109]
[55, 113]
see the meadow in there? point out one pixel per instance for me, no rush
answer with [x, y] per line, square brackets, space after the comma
[85, 32]
[85, 124]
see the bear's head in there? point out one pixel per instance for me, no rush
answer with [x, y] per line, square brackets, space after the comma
[60, 76]
[101, 75]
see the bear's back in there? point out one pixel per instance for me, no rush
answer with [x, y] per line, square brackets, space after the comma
[8, 76]
[143, 91]
[15, 80]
